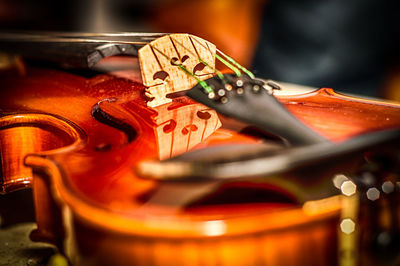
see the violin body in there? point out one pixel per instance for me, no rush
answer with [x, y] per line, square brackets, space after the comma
[77, 140]
[110, 222]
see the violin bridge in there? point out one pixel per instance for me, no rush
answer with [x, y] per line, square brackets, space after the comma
[174, 63]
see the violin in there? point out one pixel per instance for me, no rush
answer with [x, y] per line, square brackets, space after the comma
[126, 169]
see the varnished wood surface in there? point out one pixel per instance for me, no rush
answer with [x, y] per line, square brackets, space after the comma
[111, 215]
[340, 117]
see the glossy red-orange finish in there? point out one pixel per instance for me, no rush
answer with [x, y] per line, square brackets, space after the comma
[90, 202]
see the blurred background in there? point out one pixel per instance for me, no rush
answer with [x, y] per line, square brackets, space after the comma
[349, 45]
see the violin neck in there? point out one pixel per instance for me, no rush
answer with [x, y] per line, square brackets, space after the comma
[70, 50]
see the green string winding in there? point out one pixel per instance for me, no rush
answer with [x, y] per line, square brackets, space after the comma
[230, 59]
[229, 62]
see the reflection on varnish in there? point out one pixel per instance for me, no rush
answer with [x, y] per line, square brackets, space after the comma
[179, 129]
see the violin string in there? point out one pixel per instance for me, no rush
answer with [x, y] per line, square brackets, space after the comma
[79, 37]
[68, 40]
[230, 66]
[230, 59]
[216, 71]
[202, 83]
[101, 35]
[227, 61]
[66, 37]
[234, 69]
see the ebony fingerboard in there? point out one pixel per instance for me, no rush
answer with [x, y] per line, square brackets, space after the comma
[73, 50]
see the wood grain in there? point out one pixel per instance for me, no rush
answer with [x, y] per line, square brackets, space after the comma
[162, 77]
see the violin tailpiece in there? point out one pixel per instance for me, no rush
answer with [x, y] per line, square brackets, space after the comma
[162, 62]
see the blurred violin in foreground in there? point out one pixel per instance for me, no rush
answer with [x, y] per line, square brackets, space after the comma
[159, 158]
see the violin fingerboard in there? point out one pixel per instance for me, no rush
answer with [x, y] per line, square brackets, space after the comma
[70, 50]
[78, 55]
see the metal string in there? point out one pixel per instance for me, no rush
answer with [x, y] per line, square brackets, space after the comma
[230, 59]
[216, 71]
[202, 83]
[234, 68]
[226, 60]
